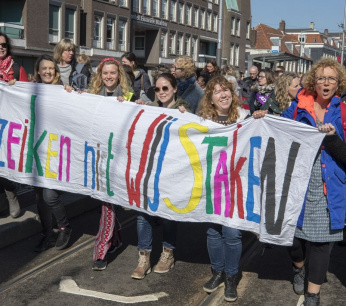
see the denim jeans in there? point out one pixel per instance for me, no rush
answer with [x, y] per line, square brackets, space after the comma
[224, 248]
[145, 232]
[48, 203]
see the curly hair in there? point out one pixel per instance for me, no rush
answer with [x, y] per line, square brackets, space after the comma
[158, 70]
[281, 89]
[310, 80]
[188, 64]
[214, 63]
[96, 83]
[62, 46]
[37, 77]
[207, 109]
[230, 70]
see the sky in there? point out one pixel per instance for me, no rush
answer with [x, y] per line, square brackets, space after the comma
[326, 14]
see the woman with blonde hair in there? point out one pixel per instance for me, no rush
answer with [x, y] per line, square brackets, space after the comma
[220, 104]
[322, 218]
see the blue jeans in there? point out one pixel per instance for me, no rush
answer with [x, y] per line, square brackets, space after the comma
[145, 232]
[224, 248]
[48, 203]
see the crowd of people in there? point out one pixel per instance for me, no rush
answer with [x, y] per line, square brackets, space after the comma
[225, 97]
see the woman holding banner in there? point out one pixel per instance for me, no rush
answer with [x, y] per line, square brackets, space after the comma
[323, 214]
[220, 104]
[109, 80]
[48, 200]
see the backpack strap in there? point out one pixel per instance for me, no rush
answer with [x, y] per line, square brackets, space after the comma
[343, 117]
[16, 72]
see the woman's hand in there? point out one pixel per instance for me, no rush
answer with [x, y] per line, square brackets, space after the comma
[12, 82]
[327, 128]
[140, 101]
[68, 88]
[182, 109]
[259, 114]
[120, 99]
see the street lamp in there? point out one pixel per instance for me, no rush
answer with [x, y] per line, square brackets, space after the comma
[219, 37]
[343, 37]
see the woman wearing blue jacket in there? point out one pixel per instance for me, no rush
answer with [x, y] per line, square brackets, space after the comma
[323, 214]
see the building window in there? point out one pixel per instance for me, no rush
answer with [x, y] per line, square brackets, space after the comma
[123, 3]
[139, 41]
[209, 21]
[172, 43]
[301, 38]
[180, 45]
[248, 29]
[181, 13]
[110, 33]
[188, 14]
[97, 31]
[233, 26]
[173, 10]
[135, 6]
[202, 18]
[122, 35]
[164, 7]
[195, 17]
[146, 8]
[163, 43]
[187, 45]
[236, 56]
[155, 8]
[69, 23]
[231, 57]
[237, 27]
[215, 23]
[54, 24]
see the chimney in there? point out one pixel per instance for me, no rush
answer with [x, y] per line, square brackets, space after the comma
[312, 25]
[282, 26]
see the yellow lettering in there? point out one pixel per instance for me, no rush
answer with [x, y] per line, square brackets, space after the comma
[50, 153]
[195, 162]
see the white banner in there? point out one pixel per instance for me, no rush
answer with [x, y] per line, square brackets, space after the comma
[252, 175]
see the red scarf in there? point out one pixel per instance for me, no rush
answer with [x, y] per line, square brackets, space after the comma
[6, 73]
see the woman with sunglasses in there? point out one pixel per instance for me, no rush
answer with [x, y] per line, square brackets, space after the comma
[10, 72]
[220, 104]
[110, 80]
[262, 91]
[165, 89]
[322, 218]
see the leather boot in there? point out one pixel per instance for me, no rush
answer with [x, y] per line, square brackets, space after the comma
[13, 203]
[231, 288]
[143, 267]
[166, 261]
[216, 281]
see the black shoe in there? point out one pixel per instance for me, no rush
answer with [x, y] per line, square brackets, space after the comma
[46, 242]
[114, 247]
[312, 299]
[63, 238]
[215, 282]
[100, 264]
[231, 288]
[299, 280]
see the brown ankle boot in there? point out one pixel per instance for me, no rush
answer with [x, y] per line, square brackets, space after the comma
[166, 261]
[143, 267]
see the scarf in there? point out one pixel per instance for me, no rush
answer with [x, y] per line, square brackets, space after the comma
[263, 93]
[182, 86]
[6, 73]
[117, 92]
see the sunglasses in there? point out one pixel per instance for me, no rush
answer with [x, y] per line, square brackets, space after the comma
[4, 45]
[158, 89]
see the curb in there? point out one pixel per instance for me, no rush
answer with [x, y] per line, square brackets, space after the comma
[28, 224]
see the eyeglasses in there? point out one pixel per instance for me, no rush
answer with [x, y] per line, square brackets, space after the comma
[322, 80]
[176, 68]
[4, 45]
[261, 77]
[158, 89]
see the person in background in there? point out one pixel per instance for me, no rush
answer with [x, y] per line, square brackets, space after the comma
[48, 201]
[322, 218]
[184, 70]
[210, 70]
[201, 82]
[279, 70]
[232, 75]
[84, 59]
[110, 79]
[130, 74]
[10, 72]
[165, 89]
[142, 81]
[262, 91]
[248, 84]
[158, 70]
[64, 55]
[220, 104]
